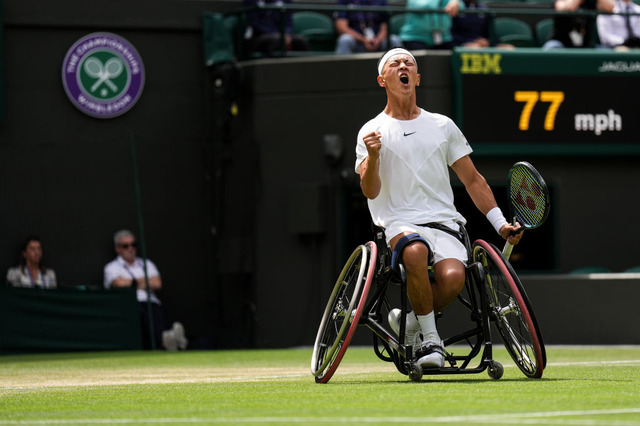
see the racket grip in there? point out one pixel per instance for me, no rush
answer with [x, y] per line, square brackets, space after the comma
[506, 251]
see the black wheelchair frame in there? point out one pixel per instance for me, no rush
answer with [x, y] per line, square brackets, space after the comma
[492, 293]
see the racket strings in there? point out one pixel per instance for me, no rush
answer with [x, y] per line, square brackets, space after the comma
[529, 197]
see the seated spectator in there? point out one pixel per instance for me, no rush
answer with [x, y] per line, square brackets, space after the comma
[363, 31]
[620, 32]
[128, 270]
[471, 30]
[31, 272]
[429, 30]
[264, 29]
[574, 31]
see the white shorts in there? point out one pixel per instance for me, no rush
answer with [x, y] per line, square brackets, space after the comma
[442, 244]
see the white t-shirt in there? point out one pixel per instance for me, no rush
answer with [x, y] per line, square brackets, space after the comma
[118, 268]
[414, 168]
[612, 29]
[20, 276]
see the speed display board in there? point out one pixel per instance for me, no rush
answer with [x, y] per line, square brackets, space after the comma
[564, 101]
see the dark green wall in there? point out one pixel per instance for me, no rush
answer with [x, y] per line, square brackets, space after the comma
[246, 216]
[68, 177]
[335, 96]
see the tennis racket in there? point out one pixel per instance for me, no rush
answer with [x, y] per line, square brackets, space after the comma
[528, 198]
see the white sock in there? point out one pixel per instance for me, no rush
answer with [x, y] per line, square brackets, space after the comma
[412, 322]
[411, 328]
[428, 325]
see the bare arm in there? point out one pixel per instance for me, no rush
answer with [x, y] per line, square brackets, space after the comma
[370, 168]
[573, 5]
[342, 27]
[155, 283]
[452, 8]
[374, 44]
[605, 5]
[121, 282]
[567, 5]
[481, 194]
[382, 34]
[475, 184]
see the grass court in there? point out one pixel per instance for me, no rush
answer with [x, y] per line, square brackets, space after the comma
[580, 386]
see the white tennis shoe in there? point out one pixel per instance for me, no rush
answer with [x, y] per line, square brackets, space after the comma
[174, 338]
[178, 333]
[169, 340]
[412, 335]
[431, 354]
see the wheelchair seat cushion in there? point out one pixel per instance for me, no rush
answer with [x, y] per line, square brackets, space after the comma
[396, 256]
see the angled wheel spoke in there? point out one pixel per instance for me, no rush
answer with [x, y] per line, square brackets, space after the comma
[510, 310]
[343, 311]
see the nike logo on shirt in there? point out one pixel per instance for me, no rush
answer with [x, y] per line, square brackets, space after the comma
[409, 134]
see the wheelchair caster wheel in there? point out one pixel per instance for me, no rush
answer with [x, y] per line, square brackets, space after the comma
[415, 372]
[496, 370]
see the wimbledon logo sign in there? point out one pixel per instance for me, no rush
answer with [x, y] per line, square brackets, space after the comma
[103, 75]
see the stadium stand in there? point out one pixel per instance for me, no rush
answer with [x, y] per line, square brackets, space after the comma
[317, 28]
[396, 22]
[512, 31]
[543, 31]
[521, 23]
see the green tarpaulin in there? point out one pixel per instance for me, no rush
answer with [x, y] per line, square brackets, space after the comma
[60, 320]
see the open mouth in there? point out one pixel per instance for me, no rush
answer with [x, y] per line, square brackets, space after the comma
[404, 79]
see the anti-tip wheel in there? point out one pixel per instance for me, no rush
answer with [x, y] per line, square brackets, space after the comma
[415, 372]
[496, 370]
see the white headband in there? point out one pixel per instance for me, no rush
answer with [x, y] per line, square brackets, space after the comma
[389, 54]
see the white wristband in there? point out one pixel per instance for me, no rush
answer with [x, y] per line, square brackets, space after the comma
[496, 218]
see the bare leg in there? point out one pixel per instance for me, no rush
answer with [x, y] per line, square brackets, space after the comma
[415, 259]
[449, 280]
[426, 297]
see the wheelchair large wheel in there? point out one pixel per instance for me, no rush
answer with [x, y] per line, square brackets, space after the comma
[510, 310]
[342, 314]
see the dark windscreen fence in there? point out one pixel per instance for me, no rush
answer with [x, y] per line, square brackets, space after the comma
[1, 63]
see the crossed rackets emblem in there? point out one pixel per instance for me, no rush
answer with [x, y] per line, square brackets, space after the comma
[104, 73]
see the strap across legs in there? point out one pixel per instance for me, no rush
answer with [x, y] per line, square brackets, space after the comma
[402, 244]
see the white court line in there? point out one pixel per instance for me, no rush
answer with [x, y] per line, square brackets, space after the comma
[345, 372]
[537, 418]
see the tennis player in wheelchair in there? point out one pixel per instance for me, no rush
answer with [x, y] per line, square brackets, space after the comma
[402, 157]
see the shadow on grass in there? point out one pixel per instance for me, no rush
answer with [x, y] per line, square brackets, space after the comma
[462, 380]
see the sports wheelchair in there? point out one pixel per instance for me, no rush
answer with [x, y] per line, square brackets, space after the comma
[492, 294]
